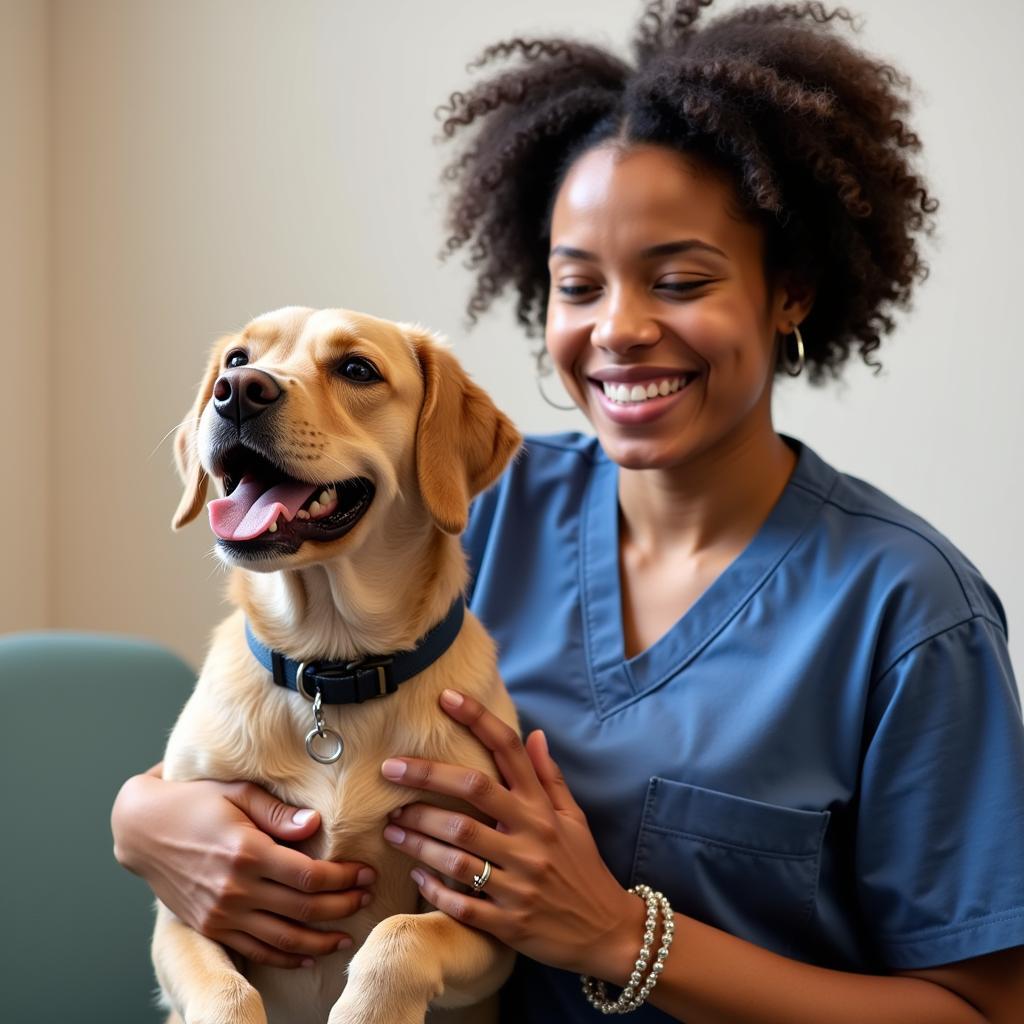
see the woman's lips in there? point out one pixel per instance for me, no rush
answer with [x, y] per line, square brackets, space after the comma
[632, 413]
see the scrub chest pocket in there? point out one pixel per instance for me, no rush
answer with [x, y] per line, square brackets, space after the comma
[741, 865]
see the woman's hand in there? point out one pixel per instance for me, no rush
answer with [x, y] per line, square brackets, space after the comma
[207, 850]
[550, 895]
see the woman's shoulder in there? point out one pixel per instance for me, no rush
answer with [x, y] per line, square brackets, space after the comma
[913, 572]
[545, 484]
[549, 466]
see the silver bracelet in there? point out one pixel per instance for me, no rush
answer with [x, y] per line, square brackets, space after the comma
[630, 999]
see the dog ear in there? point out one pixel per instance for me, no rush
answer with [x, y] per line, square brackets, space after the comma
[463, 441]
[186, 450]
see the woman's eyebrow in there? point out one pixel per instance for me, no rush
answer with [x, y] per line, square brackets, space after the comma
[665, 249]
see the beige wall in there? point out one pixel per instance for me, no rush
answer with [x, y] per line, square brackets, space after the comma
[213, 159]
[26, 405]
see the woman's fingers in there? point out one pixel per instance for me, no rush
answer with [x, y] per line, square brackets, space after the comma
[452, 827]
[499, 738]
[465, 908]
[306, 907]
[270, 815]
[287, 937]
[550, 775]
[260, 953]
[306, 875]
[449, 860]
[476, 788]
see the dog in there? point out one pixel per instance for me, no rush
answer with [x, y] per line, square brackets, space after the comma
[347, 449]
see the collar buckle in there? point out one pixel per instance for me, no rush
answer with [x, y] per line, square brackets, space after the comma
[379, 665]
[371, 677]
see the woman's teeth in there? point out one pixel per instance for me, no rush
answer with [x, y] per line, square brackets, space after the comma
[627, 394]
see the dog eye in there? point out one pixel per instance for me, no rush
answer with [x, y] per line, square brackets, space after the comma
[359, 370]
[241, 357]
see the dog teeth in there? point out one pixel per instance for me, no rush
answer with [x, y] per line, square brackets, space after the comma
[314, 510]
[302, 514]
[325, 497]
[272, 528]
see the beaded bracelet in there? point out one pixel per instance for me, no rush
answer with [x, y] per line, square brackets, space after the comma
[630, 999]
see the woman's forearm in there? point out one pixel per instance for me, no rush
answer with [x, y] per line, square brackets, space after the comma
[712, 977]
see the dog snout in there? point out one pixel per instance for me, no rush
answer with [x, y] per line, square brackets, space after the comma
[244, 392]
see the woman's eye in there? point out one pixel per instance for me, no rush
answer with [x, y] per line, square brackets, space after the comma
[573, 290]
[682, 286]
[359, 370]
[236, 358]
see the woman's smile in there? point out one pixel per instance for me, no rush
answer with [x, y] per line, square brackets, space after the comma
[637, 400]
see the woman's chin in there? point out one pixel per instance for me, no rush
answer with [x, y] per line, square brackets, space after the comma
[643, 452]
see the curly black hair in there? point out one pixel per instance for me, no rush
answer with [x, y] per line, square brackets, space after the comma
[811, 131]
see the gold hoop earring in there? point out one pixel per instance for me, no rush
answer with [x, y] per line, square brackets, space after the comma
[794, 367]
[554, 405]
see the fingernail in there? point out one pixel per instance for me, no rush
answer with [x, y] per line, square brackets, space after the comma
[365, 899]
[308, 962]
[417, 877]
[302, 817]
[365, 876]
[392, 769]
[394, 834]
[344, 943]
[451, 698]
[544, 740]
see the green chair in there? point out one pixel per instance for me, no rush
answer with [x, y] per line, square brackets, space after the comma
[79, 713]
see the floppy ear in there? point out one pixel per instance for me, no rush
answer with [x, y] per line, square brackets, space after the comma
[463, 441]
[186, 451]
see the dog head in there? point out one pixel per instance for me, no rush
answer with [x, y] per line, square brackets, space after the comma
[316, 423]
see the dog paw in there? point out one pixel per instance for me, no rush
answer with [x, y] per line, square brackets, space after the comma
[345, 1016]
[360, 1008]
[232, 1001]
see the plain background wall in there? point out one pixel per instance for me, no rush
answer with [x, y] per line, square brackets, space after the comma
[25, 421]
[207, 160]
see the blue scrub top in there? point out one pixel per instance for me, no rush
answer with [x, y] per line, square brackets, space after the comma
[824, 756]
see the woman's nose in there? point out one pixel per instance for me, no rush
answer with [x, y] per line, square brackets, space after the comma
[624, 324]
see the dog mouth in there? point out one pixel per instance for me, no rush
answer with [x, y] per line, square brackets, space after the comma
[265, 509]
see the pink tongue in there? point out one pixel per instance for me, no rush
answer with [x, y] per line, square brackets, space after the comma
[249, 510]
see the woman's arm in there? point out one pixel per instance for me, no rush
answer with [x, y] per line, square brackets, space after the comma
[208, 851]
[712, 977]
[552, 898]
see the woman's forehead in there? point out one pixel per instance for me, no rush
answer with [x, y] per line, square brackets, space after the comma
[619, 196]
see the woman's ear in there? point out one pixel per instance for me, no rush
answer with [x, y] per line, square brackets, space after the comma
[463, 440]
[794, 300]
[186, 447]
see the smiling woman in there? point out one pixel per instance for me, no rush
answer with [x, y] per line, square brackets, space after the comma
[751, 682]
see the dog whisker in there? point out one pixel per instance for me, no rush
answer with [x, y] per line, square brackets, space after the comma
[181, 423]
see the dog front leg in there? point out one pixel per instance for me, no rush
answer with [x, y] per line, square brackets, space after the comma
[199, 978]
[412, 961]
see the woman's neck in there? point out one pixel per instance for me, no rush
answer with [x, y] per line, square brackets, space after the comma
[717, 499]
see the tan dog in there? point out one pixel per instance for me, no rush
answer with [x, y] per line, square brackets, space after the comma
[386, 412]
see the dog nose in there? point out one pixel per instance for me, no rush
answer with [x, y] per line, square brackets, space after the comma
[244, 392]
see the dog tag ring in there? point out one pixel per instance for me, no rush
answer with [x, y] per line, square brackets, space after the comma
[319, 731]
[336, 748]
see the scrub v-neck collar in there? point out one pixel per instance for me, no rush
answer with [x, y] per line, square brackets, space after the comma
[618, 681]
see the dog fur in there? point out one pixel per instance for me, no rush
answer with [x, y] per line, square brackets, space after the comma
[429, 439]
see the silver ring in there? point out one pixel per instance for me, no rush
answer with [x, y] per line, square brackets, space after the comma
[333, 754]
[300, 683]
[479, 881]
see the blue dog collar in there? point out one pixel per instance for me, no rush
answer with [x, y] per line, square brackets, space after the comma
[352, 682]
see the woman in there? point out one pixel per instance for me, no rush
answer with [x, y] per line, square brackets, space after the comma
[769, 691]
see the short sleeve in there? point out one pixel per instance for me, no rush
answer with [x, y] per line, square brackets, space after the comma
[940, 823]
